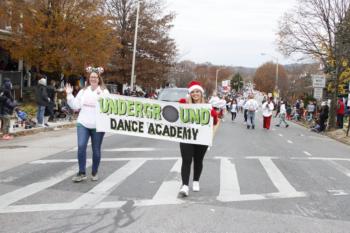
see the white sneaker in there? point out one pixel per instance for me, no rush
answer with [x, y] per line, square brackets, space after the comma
[79, 177]
[195, 186]
[184, 191]
[94, 177]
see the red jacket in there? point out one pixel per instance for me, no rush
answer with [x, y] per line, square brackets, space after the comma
[213, 113]
[341, 108]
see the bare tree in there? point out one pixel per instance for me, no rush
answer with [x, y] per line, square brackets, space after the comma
[311, 28]
[156, 51]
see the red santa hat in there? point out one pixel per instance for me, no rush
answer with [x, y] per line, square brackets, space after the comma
[195, 85]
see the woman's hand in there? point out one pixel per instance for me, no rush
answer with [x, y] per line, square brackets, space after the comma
[69, 89]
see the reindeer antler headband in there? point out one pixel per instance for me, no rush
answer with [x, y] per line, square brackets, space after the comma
[97, 70]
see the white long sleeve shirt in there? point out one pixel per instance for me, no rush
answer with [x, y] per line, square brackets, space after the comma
[267, 109]
[283, 109]
[86, 101]
[251, 105]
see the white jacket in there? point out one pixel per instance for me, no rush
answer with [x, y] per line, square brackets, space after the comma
[87, 101]
[283, 109]
[267, 109]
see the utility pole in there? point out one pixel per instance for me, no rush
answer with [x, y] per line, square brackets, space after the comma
[133, 76]
[216, 80]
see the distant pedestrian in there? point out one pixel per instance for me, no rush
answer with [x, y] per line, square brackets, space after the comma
[193, 152]
[86, 101]
[245, 111]
[281, 113]
[233, 109]
[267, 109]
[251, 106]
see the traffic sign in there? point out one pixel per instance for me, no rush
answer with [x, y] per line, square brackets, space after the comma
[318, 93]
[318, 81]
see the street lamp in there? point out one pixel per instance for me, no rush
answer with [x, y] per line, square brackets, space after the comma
[276, 81]
[133, 76]
[216, 80]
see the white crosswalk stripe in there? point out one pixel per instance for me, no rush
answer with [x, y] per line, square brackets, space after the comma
[21, 193]
[166, 193]
[229, 185]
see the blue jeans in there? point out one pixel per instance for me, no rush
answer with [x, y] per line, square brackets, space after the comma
[40, 114]
[251, 118]
[96, 142]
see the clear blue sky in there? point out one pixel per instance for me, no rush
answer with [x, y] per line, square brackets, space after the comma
[228, 32]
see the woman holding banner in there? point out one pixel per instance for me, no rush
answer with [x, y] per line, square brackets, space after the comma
[86, 101]
[193, 152]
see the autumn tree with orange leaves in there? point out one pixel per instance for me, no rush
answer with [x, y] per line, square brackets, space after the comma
[265, 78]
[58, 35]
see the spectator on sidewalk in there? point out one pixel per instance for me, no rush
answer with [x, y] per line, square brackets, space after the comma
[322, 119]
[51, 93]
[86, 101]
[340, 113]
[7, 105]
[310, 111]
[42, 101]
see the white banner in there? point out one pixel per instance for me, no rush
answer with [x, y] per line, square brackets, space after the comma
[188, 123]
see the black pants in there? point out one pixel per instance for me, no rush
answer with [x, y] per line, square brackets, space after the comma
[340, 121]
[189, 152]
[245, 115]
[322, 124]
[233, 115]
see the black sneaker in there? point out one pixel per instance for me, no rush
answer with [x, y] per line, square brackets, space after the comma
[248, 127]
[287, 126]
[253, 127]
[79, 177]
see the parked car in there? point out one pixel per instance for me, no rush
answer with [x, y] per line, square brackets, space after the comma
[173, 94]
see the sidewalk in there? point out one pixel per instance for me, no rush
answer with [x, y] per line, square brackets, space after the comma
[21, 131]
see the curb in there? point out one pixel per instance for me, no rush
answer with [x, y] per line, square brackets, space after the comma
[43, 129]
[343, 139]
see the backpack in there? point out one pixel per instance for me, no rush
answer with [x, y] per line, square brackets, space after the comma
[251, 107]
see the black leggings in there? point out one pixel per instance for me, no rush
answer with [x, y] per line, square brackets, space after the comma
[233, 115]
[189, 152]
[245, 115]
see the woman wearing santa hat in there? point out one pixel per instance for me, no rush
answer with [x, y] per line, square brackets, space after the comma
[193, 152]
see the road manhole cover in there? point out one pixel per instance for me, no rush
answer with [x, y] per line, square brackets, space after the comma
[12, 147]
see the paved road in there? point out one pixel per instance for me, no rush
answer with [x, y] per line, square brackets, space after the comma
[282, 180]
